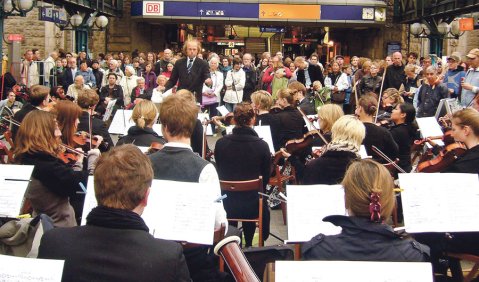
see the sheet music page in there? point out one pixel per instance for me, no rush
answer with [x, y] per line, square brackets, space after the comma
[264, 132]
[28, 269]
[18, 172]
[121, 122]
[358, 271]
[14, 180]
[315, 122]
[222, 110]
[90, 199]
[181, 211]
[308, 205]
[440, 202]
[428, 127]
[363, 153]
[109, 109]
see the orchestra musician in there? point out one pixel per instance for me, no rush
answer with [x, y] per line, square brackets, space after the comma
[177, 162]
[262, 101]
[369, 200]
[292, 124]
[244, 156]
[465, 128]
[196, 137]
[327, 116]
[299, 93]
[115, 245]
[145, 115]
[378, 136]
[389, 99]
[87, 100]
[39, 99]
[53, 181]
[404, 132]
[68, 117]
[347, 135]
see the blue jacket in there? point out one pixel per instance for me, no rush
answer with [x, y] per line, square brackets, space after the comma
[453, 80]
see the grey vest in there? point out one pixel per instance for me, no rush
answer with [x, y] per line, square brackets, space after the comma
[177, 164]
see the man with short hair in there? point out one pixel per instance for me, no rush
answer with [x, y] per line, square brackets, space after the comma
[97, 72]
[161, 65]
[314, 59]
[87, 74]
[191, 72]
[307, 73]
[470, 84]
[115, 245]
[39, 99]
[340, 60]
[177, 162]
[29, 71]
[70, 72]
[251, 76]
[87, 100]
[112, 68]
[279, 54]
[453, 76]
[11, 104]
[50, 64]
[77, 86]
[395, 74]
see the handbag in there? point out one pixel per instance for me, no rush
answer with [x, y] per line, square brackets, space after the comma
[338, 97]
[206, 100]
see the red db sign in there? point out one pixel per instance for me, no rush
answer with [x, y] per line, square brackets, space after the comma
[152, 8]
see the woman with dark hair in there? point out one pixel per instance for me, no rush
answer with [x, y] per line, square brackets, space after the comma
[57, 93]
[244, 156]
[53, 182]
[149, 76]
[292, 125]
[68, 115]
[404, 132]
[369, 200]
[375, 135]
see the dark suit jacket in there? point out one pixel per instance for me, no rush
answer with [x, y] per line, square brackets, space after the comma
[98, 127]
[314, 72]
[68, 78]
[192, 81]
[146, 94]
[307, 106]
[97, 253]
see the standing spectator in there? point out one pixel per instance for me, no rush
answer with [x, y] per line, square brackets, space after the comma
[168, 71]
[190, 73]
[412, 60]
[453, 76]
[49, 64]
[260, 70]
[314, 60]
[272, 72]
[250, 74]
[127, 83]
[97, 72]
[212, 94]
[29, 70]
[411, 83]
[340, 60]
[57, 74]
[37, 59]
[70, 72]
[162, 64]
[370, 82]
[337, 82]
[149, 76]
[83, 57]
[234, 82]
[137, 67]
[430, 94]
[354, 64]
[308, 73]
[470, 85]
[395, 74]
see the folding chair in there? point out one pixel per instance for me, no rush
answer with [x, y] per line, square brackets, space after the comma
[466, 257]
[247, 186]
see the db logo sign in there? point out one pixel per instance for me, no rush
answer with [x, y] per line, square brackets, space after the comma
[152, 8]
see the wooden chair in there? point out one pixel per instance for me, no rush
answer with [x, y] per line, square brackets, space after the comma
[247, 186]
[467, 257]
[280, 179]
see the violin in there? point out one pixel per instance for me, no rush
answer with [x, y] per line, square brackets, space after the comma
[69, 155]
[154, 147]
[81, 138]
[445, 158]
[223, 121]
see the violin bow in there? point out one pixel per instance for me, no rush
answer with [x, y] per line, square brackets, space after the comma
[380, 95]
[90, 122]
[312, 126]
[382, 155]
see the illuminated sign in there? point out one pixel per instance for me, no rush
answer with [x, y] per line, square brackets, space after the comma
[286, 11]
[153, 8]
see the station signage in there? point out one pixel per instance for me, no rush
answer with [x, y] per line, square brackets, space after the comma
[50, 14]
[272, 29]
[153, 8]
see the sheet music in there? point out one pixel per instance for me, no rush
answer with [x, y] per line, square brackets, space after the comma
[358, 271]
[205, 116]
[429, 127]
[181, 211]
[440, 202]
[363, 153]
[16, 269]
[308, 205]
[19, 172]
[222, 110]
[109, 109]
[121, 122]
[264, 132]
[14, 180]
[315, 123]
[90, 199]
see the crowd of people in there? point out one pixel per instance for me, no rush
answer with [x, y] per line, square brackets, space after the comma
[62, 131]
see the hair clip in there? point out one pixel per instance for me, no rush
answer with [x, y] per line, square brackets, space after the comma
[375, 207]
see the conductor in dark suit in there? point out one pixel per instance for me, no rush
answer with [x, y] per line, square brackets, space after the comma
[115, 244]
[190, 72]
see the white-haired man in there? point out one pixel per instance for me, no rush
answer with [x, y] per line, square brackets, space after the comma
[112, 68]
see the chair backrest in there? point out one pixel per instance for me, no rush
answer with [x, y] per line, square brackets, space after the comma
[242, 186]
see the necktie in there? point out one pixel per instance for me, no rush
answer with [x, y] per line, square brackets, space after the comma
[190, 64]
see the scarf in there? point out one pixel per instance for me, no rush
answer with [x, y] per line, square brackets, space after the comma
[344, 146]
[115, 218]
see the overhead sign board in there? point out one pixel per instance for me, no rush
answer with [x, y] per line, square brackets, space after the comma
[288, 11]
[272, 29]
[153, 8]
[49, 14]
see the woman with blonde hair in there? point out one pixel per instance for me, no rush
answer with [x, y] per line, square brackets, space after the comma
[262, 103]
[327, 116]
[369, 201]
[38, 143]
[347, 135]
[142, 134]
